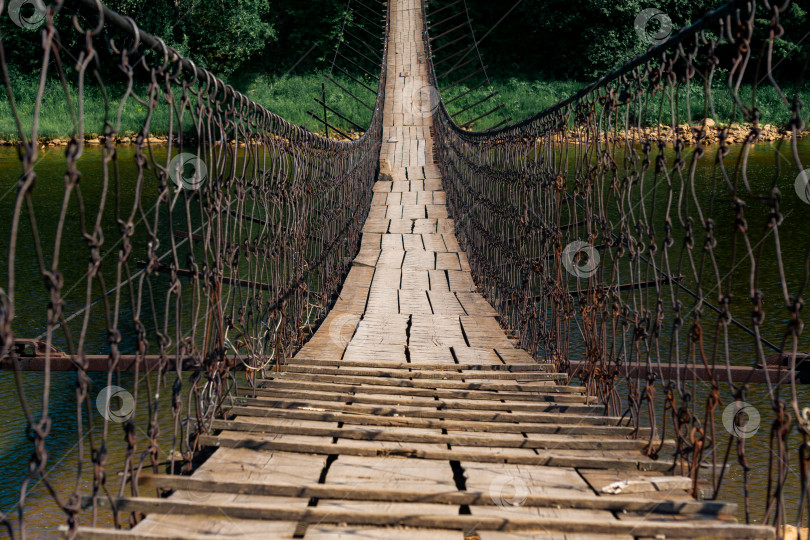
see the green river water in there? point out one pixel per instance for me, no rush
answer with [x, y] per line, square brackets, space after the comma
[31, 298]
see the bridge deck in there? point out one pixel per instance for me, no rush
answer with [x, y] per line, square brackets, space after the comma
[411, 408]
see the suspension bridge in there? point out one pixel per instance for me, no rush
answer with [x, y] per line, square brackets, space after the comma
[390, 337]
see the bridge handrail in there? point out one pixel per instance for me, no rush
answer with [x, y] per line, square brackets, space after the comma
[185, 281]
[128, 26]
[594, 232]
[654, 52]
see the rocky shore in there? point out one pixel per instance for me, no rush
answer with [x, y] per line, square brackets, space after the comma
[45, 142]
[686, 134]
[710, 131]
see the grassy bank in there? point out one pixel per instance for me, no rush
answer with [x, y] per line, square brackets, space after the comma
[522, 99]
[291, 96]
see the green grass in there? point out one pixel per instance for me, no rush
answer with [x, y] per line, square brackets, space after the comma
[522, 99]
[290, 97]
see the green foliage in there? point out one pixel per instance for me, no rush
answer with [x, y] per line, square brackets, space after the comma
[217, 37]
[560, 39]
[524, 98]
[301, 26]
[264, 47]
[259, 47]
[290, 97]
[287, 96]
[521, 99]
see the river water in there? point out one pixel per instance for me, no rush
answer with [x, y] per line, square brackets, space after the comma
[62, 446]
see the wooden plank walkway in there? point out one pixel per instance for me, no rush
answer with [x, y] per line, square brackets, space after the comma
[410, 413]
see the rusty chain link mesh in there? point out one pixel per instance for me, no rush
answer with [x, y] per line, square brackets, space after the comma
[612, 237]
[606, 231]
[190, 286]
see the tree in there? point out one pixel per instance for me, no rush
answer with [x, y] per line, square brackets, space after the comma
[218, 36]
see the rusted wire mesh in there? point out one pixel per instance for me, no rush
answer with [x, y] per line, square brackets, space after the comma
[182, 266]
[635, 236]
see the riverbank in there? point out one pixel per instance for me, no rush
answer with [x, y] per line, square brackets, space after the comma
[91, 140]
[710, 132]
[706, 130]
[291, 97]
[524, 98]
[686, 134]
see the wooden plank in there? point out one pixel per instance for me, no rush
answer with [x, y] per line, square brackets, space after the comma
[322, 415]
[377, 213]
[445, 303]
[558, 442]
[460, 522]
[434, 242]
[369, 397]
[437, 330]
[365, 532]
[475, 304]
[424, 226]
[445, 496]
[512, 386]
[620, 484]
[414, 212]
[422, 374]
[414, 301]
[591, 459]
[543, 413]
[413, 242]
[382, 187]
[447, 261]
[413, 278]
[411, 198]
[509, 483]
[179, 532]
[361, 351]
[438, 280]
[421, 259]
[550, 395]
[441, 367]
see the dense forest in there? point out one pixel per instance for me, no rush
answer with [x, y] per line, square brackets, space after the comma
[580, 40]
[535, 39]
[537, 51]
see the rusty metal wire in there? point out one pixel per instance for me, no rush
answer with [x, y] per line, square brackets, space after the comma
[621, 245]
[479, 109]
[197, 281]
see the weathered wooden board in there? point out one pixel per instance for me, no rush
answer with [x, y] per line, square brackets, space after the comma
[319, 413]
[432, 490]
[677, 529]
[305, 386]
[592, 459]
